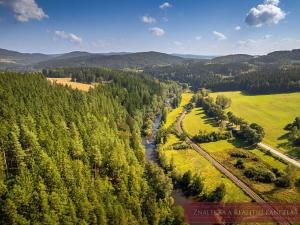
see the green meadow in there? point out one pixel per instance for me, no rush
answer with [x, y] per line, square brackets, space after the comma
[222, 150]
[196, 121]
[272, 112]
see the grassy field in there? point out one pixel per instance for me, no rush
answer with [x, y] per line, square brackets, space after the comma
[222, 150]
[273, 112]
[74, 85]
[196, 120]
[189, 159]
[172, 116]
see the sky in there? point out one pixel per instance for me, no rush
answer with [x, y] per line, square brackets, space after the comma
[202, 27]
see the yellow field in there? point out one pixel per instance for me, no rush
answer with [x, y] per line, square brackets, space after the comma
[196, 120]
[189, 159]
[67, 81]
[172, 116]
[272, 112]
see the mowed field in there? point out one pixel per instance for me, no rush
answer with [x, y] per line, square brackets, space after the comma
[272, 112]
[67, 81]
[172, 116]
[196, 121]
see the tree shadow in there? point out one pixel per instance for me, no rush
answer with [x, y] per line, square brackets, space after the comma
[238, 143]
[283, 137]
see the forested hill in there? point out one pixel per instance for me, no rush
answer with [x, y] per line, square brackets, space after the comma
[68, 157]
[277, 72]
[23, 62]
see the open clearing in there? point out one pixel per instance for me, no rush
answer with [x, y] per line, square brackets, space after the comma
[272, 112]
[67, 81]
[172, 116]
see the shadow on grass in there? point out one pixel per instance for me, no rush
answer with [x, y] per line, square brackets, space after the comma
[283, 137]
[292, 151]
[206, 119]
[241, 144]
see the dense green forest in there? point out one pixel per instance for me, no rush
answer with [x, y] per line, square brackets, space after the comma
[68, 157]
[232, 77]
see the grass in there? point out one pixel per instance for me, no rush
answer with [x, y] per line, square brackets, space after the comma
[196, 120]
[221, 151]
[67, 81]
[189, 159]
[172, 116]
[272, 112]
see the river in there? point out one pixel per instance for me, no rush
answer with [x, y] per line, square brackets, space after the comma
[150, 146]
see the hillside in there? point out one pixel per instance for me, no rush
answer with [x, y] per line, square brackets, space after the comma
[16, 58]
[131, 60]
[25, 61]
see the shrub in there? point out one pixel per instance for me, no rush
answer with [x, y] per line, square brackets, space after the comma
[277, 172]
[258, 174]
[239, 164]
[181, 146]
[238, 155]
[283, 182]
[218, 194]
[297, 183]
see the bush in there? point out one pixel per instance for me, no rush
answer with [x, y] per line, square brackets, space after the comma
[181, 146]
[239, 164]
[238, 155]
[297, 183]
[277, 172]
[283, 182]
[204, 137]
[258, 174]
[218, 194]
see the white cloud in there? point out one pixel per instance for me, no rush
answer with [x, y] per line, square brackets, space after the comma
[68, 36]
[178, 43]
[237, 28]
[266, 13]
[198, 38]
[157, 31]
[219, 35]
[25, 10]
[148, 19]
[165, 5]
[272, 2]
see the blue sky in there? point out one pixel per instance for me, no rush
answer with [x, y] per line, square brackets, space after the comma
[208, 27]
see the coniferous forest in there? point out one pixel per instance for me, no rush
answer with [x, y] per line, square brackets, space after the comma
[70, 157]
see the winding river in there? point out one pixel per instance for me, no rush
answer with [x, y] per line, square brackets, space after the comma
[150, 146]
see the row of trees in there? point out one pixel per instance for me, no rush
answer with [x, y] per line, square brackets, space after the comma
[252, 133]
[294, 131]
[68, 157]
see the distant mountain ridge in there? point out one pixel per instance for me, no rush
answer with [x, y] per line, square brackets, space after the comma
[36, 61]
[13, 60]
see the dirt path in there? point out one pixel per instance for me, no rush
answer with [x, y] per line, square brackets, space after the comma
[281, 155]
